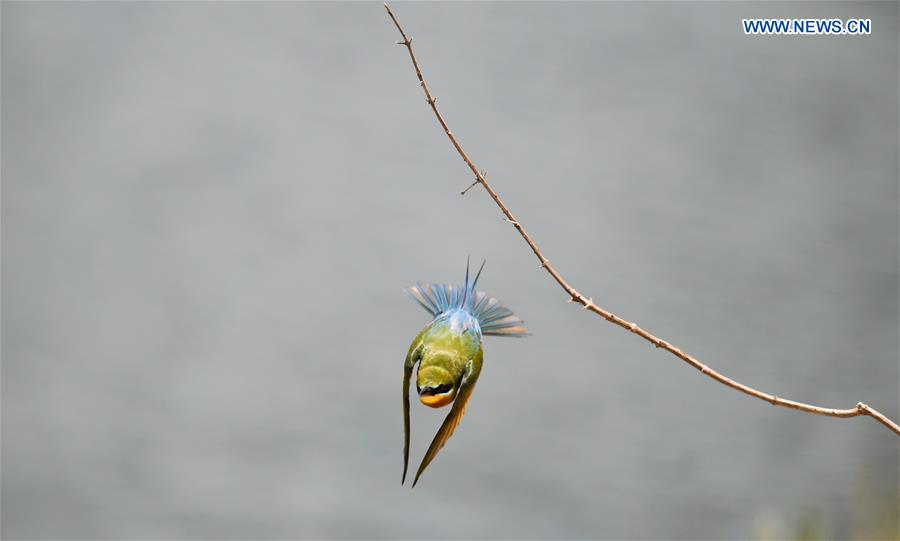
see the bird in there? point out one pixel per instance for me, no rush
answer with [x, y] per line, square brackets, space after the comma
[448, 353]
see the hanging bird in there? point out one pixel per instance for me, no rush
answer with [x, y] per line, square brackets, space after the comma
[449, 352]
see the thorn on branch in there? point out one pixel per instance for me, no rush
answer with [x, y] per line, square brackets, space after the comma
[515, 223]
[588, 303]
[431, 101]
[470, 187]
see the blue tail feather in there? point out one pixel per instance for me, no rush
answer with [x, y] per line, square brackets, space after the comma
[493, 317]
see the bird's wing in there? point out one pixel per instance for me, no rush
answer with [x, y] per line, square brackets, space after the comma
[473, 370]
[407, 374]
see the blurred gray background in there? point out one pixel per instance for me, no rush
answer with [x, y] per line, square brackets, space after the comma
[209, 211]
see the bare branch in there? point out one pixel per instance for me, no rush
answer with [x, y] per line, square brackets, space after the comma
[588, 303]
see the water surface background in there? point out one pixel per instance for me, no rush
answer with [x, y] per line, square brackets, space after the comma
[209, 211]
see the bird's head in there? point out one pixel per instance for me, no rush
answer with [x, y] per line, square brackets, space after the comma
[436, 385]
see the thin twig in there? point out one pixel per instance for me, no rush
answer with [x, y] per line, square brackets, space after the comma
[588, 303]
[469, 187]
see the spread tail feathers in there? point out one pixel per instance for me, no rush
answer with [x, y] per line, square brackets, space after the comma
[493, 318]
